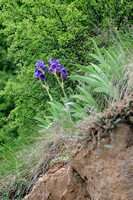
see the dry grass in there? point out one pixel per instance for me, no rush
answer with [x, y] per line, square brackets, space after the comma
[36, 160]
[125, 86]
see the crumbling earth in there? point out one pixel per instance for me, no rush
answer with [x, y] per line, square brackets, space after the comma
[101, 168]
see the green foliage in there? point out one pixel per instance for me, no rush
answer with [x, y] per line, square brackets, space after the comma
[7, 72]
[99, 86]
[59, 116]
[6, 64]
[6, 104]
[102, 82]
[65, 158]
[46, 28]
[41, 29]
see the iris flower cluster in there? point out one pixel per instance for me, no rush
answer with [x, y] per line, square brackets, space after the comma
[54, 67]
[39, 73]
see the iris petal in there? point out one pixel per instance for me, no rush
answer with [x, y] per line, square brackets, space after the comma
[42, 77]
[58, 67]
[64, 75]
[63, 70]
[53, 66]
[50, 60]
[37, 72]
[39, 64]
[45, 69]
[57, 62]
[50, 69]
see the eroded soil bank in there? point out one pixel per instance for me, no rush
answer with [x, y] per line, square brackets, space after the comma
[101, 168]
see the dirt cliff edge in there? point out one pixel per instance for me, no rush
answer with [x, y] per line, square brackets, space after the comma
[93, 175]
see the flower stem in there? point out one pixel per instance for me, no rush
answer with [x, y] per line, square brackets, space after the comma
[51, 99]
[62, 87]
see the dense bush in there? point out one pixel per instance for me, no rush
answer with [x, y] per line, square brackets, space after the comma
[7, 71]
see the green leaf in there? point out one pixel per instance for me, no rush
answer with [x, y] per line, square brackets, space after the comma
[89, 69]
[88, 80]
[109, 146]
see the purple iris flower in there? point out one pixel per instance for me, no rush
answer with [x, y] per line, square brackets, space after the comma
[39, 64]
[59, 67]
[54, 61]
[45, 69]
[42, 77]
[37, 73]
[64, 73]
[50, 70]
[53, 65]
